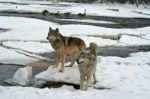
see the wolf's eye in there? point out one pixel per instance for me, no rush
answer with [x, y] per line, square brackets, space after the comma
[81, 54]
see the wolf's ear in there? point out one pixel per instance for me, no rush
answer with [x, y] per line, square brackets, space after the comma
[93, 45]
[50, 28]
[57, 29]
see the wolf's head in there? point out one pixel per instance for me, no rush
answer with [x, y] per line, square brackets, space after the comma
[53, 35]
[85, 57]
[88, 55]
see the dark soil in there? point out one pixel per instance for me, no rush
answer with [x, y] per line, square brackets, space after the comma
[58, 84]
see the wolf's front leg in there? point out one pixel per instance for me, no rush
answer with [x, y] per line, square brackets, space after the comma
[82, 79]
[62, 59]
[89, 76]
[57, 59]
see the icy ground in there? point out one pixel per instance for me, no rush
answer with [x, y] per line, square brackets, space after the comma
[25, 38]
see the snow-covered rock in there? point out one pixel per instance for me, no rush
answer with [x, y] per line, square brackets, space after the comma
[22, 76]
[70, 75]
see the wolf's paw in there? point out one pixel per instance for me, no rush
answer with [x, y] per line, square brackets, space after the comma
[68, 66]
[61, 71]
[95, 82]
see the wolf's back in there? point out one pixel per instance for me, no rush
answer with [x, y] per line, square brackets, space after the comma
[77, 42]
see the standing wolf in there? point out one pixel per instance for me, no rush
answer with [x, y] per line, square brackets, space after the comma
[64, 45]
[87, 61]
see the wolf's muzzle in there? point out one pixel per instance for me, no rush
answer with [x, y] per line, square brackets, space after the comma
[79, 61]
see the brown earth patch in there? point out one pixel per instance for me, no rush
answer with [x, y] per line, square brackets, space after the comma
[58, 84]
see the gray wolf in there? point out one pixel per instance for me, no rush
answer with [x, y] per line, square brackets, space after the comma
[63, 46]
[87, 61]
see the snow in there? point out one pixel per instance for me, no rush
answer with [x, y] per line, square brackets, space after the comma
[38, 30]
[13, 57]
[33, 47]
[103, 10]
[133, 40]
[88, 21]
[126, 10]
[53, 74]
[23, 77]
[24, 28]
[127, 78]
[33, 6]
[95, 30]
[32, 33]
[125, 71]
[100, 41]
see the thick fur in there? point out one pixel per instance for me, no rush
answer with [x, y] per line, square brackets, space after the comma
[64, 45]
[87, 61]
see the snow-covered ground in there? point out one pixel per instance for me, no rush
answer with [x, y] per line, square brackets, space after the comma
[91, 9]
[30, 30]
[127, 78]
[11, 56]
[33, 47]
[26, 38]
[87, 21]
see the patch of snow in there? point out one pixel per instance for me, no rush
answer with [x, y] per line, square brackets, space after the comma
[67, 93]
[132, 40]
[103, 10]
[53, 74]
[34, 47]
[100, 41]
[24, 28]
[36, 30]
[34, 6]
[88, 21]
[127, 78]
[12, 57]
[22, 76]
[78, 29]
[125, 10]
[127, 74]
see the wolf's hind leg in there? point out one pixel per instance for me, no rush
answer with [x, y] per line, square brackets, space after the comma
[72, 57]
[95, 79]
